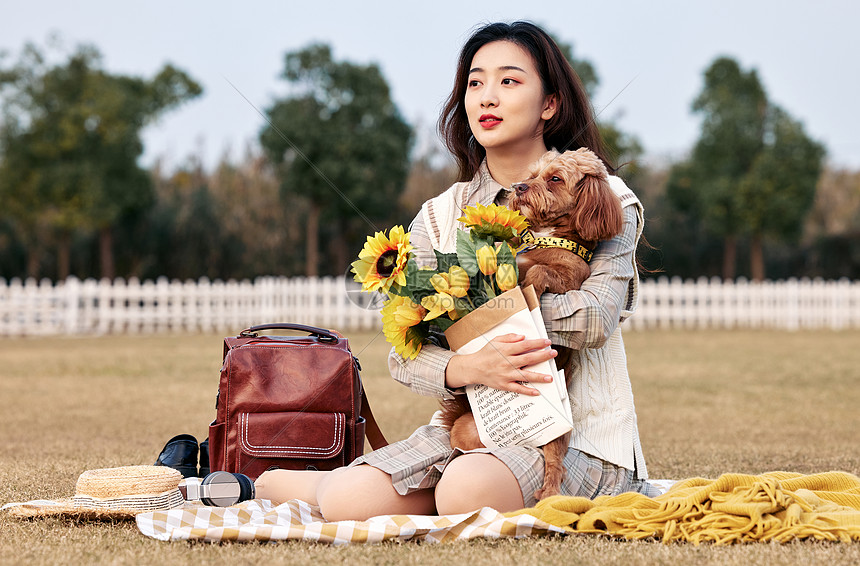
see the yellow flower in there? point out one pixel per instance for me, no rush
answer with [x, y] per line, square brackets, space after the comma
[486, 259]
[498, 221]
[439, 304]
[382, 261]
[399, 314]
[506, 277]
[455, 282]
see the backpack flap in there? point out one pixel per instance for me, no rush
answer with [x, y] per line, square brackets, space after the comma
[290, 440]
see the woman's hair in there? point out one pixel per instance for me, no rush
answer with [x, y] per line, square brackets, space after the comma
[573, 125]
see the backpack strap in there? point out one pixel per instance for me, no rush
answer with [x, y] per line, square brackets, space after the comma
[371, 431]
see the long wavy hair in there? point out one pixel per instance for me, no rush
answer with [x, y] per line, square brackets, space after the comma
[573, 125]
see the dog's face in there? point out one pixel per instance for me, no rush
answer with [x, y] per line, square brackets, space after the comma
[568, 194]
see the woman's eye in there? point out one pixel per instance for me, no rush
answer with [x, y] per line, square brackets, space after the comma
[509, 82]
[473, 82]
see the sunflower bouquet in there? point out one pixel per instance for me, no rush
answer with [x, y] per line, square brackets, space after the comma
[423, 301]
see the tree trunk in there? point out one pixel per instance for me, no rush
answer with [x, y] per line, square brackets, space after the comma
[757, 257]
[312, 245]
[730, 254]
[64, 252]
[106, 253]
[34, 241]
[340, 264]
[34, 260]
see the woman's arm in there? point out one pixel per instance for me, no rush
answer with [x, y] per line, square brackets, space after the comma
[587, 318]
[425, 374]
[438, 372]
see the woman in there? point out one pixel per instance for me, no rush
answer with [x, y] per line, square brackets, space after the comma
[515, 96]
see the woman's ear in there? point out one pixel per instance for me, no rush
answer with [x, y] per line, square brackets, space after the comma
[550, 107]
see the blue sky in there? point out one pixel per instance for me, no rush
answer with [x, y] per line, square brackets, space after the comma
[807, 57]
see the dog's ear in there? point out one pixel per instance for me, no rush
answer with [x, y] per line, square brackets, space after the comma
[598, 213]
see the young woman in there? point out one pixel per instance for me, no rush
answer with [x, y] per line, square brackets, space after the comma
[515, 96]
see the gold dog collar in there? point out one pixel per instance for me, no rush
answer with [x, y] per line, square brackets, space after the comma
[530, 242]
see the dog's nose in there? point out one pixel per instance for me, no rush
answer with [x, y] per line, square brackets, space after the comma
[521, 187]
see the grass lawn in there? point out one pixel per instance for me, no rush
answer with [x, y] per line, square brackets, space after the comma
[708, 402]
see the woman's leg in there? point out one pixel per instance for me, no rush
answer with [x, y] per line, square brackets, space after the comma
[472, 481]
[363, 491]
[344, 494]
[282, 485]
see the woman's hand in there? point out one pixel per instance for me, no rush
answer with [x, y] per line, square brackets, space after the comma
[499, 364]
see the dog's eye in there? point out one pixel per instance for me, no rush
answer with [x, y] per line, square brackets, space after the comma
[555, 179]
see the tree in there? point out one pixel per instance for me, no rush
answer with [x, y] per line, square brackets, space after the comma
[734, 182]
[778, 191]
[341, 146]
[623, 146]
[429, 174]
[837, 204]
[69, 143]
[582, 67]
[734, 105]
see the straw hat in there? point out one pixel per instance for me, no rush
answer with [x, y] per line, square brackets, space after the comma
[112, 493]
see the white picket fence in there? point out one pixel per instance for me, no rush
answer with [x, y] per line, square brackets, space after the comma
[104, 307]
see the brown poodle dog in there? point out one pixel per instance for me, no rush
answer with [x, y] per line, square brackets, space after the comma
[570, 208]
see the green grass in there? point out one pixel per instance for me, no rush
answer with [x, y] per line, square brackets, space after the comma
[708, 402]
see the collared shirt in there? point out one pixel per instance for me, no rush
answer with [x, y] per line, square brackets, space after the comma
[585, 318]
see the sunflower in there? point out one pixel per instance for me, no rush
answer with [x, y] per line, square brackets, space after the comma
[500, 222]
[382, 261]
[399, 315]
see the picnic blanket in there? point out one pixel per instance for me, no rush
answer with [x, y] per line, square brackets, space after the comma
[261, 520]
[776, 506]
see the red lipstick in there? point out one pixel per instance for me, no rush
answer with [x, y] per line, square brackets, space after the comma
[488, 121]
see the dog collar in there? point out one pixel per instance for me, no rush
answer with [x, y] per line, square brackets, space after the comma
[530, 242]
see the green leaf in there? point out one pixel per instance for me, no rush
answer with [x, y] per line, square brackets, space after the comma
[462, 306]
[490, 289]
[417, 334]
[466, 253]
[482, 240]
[422, 283]
[418, 280]
[444, 261]
[443, 323]
[400, 290]
[504, 255]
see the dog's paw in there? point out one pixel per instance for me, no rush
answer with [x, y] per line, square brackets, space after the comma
[545, 492]
[539, 276]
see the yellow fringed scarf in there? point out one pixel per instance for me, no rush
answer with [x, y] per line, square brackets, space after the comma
[776, 506]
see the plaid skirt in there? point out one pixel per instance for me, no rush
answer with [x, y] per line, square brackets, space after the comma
[419, 461]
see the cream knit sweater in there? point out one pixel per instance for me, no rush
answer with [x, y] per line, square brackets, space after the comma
[601, 396]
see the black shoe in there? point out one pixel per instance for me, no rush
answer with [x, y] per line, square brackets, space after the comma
[204, 459]
[180, 453]
[223, 489]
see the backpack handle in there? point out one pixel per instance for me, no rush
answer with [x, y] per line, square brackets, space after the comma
[321, 333]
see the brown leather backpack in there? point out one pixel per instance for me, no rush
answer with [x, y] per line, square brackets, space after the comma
[291, 402]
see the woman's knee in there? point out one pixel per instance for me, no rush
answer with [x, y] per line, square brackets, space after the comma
[361, 492]
[282, 485]
[473, 481]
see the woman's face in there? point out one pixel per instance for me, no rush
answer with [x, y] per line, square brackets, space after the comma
[504, 101]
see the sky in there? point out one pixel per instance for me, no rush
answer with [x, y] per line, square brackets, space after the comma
[649, 56]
